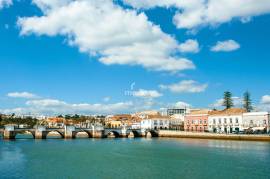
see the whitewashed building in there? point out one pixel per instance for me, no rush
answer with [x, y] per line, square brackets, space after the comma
[256, 121]
[158, 122]
[226, 121]
[177, 122]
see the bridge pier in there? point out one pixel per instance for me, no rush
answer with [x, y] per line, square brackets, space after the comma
[40, 132]
[131, 135]
[70, 132]
[123, 133]
[98, 134]
[9, 132]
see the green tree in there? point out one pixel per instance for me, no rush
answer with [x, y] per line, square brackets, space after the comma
[247, 103]
[227, 100]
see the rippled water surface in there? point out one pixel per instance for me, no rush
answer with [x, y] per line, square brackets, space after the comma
[134, 158]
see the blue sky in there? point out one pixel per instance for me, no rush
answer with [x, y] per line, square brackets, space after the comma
[76, 65]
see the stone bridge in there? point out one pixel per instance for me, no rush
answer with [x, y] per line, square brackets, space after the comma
[70, 132]
[131, 133]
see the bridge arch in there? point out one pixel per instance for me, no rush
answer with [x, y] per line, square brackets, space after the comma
[79, 134]
[133, 134]
[151, 133]
[24, 134]
[61, 135]
[113, 134]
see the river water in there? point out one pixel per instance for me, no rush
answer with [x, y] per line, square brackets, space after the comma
[134, 158]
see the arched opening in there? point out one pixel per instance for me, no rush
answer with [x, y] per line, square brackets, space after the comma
[54, 135]
[113, 134]
[151, 134]
[83, 134]
[133, 134]
[24, 135]
[148, 135]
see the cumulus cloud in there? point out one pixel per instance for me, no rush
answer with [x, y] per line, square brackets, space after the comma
[181, 104]
[237, 101]
[5, 3]
[195, 13]
[225, 46]
[264, 103]
[265, 99]
[147, 93]
[25, 95]
[189, 46]
[185, 86]
[54, 106]
[108, 32]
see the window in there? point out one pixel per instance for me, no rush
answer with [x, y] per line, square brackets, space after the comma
[264, 121]
[251, 121]
[225, 120]
[236, 120]
[219, 121]
[205, 121]
[214, 121]
[192, 121]
[230, 120]
[155, 122]
[200, 121]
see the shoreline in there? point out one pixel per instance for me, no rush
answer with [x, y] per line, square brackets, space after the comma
[202, 135]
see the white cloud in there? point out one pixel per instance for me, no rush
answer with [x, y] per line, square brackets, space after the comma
[237, 101]
[195, 13]
[191, 46]
[185, 86]
[265, 99]
[26, 95]
[147, 93]
[225, 46]
[264, 103]
[181, 104]
[54, 106]
[108, 32]
[5, 3]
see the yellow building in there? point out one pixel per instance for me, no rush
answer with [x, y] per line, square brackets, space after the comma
[114, 124]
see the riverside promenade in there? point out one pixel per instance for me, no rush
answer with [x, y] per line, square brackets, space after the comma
[205, 135]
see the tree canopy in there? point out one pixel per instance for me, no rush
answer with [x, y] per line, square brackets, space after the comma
[227, 100]
[247, 102]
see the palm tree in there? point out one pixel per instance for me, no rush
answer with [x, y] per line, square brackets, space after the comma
[247, 101]
[227, 100]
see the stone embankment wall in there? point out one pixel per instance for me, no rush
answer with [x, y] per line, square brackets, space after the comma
[204, 135]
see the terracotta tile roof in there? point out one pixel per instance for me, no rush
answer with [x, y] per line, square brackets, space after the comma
[202, 111]
[231, 111]
[158, 116]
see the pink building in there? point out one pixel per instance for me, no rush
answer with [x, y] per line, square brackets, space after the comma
[196, 120]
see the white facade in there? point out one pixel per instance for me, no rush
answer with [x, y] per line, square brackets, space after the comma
[256, 121]
[155, 123]
[225, 123]
[136, 125]
[177, 121]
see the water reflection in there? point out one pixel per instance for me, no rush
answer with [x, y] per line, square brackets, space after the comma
[12, 161]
